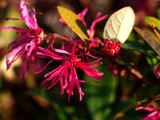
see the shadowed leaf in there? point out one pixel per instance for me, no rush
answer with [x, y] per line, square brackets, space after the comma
[152, 41]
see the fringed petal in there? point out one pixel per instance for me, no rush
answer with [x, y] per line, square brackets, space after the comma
[49, 53]
[14, 55]
[28, 16]
[28, 55]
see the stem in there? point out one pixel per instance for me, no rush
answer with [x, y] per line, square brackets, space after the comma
[50, 38]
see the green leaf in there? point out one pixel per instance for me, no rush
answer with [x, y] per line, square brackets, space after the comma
[124, 107]
[154, 31]
[140, 47]
[154, 92]
[120, 24]
[152, 41]
[73, 21]
[158, 12]
[152, 21]
[100, 96]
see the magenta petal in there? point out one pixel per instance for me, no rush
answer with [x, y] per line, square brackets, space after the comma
[33, 19]
[95, 63]
[80, 94]
[82, 15]
[145, 108]
[53, 73]
[54, 82]
[74, 82]
[44, 67]
[14, 55]
[28, 55]
[152, 114]
[92, 28]
[66, 75]
[88, 54]
[61, 51]
[97, 20]
[22, 39]
[49, 53]
[56, 76]
[90, 71]
[94, 74]
[28, 16]
[13, 28]
[77, 82]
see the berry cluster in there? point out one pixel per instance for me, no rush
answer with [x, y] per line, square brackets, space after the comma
[156, 71]
[111, 47]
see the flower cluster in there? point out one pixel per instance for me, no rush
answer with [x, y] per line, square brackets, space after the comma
[154, 113]
[28, 40]
[93, 41]
[71, 55]
[66, 73]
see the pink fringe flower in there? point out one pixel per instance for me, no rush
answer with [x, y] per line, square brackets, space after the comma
[66, 73]
[27, 41]
[154, 113]
[91, 31]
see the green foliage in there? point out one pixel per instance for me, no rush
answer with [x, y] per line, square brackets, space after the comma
[101, 95]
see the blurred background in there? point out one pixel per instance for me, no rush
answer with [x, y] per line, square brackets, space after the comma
[124, 84]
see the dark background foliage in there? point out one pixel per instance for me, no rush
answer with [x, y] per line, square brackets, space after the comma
[127, 82]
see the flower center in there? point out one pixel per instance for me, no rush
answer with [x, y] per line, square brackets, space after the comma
[39, 35]
[74, 60]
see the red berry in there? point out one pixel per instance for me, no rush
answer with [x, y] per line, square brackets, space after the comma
[110, 52]
[111, 47]
[117, 49]
[117, 43]
[156, 71]
[107, 41]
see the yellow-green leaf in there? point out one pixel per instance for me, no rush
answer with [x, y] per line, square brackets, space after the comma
[73, 21]
[152, 41]
[120, 24]
[152, 21]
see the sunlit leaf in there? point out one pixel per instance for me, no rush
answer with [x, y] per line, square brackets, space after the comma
[120, 24]
[155, 25]
[152, 41]
[73, 21]
[157, 32]
[152, 21]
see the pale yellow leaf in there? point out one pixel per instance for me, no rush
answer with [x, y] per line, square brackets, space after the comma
[120, 24]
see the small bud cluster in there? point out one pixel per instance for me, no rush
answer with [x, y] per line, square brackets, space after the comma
[156, 71]
[111, 47]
